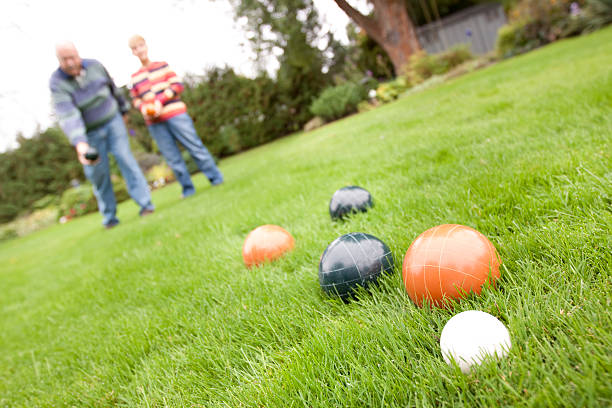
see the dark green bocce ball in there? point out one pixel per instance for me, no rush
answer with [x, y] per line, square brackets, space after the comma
[349, 200]
[353, 260]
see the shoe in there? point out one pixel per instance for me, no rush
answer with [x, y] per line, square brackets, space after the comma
[216, 182]
[111, 224]
[146, 211]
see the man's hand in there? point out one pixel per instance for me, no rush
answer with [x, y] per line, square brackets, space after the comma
[82, 148]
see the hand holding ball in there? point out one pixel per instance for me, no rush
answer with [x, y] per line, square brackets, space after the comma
[151, 110]
[91, 154]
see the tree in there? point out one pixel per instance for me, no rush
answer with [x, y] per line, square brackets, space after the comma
[390, 26]
[290, 30]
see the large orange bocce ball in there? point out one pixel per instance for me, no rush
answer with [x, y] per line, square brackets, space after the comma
[448, 261]
[266, 243]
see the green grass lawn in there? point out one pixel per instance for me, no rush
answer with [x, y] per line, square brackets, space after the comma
[160, 311]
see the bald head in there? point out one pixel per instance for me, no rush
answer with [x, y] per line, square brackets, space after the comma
[68, 57]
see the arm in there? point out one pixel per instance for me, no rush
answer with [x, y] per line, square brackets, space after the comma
[68, 115]
[70, 121]
[124, 105]
[175, 88]
[136, 101]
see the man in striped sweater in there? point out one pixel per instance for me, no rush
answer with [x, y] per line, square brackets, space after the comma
[89, 107]
[155, 90]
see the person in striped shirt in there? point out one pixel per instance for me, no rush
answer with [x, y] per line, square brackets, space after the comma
[89, 106]
[155, 91]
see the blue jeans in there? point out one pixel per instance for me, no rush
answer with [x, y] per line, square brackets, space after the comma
[112, 138]
[180, 129]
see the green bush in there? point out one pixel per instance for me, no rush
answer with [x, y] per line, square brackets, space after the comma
[46, 201]
[338, 101]
[192, 167]
[390, 91]
[42, 165]
[534, 23]
[595, 15]
[232, 113]
[423, 66]
[78, 201]
[7, 232]
[511, 39]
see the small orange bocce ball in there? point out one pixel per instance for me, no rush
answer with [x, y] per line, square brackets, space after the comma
[266, 243]
[448, 261]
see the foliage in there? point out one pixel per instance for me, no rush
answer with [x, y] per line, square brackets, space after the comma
[595, 15]
[423, 66]
[7, 232]
[365, 57]
[78, 201]
[289, 29]
[147, 160]
[192, 167]
[232, 112]
[533, 23]
[160, 175]
[338, 101]
[46, 201]
[390, 91]
[426, 11]
[43, 164]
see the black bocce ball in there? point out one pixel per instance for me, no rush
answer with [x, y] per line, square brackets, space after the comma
[348, 200]
[353, 260]
[92, 154]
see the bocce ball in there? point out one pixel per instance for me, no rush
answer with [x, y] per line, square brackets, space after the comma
[347, 200]
[353, 260]
[467, 338]
[91, 154]
[448, 261]
[266, 243]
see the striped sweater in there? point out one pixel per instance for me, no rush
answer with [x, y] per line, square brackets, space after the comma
[85, 102]
[158, 81]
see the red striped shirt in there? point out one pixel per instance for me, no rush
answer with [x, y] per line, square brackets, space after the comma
[151, 82]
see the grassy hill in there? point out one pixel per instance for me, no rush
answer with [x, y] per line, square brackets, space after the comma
[160, 311]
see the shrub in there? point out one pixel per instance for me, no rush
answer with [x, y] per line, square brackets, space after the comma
[455, 56]
[595, 15]
[147, 160]
[338, 101]
[46, 201]
[423, 66]
[7, 232]
[78, 201]
[389, 91]
[120, 188]
[534, 23]
[160, 175]
[511, 40]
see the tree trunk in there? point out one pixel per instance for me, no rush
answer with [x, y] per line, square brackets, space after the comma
[390, 27]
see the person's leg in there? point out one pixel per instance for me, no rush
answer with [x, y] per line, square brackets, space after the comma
[120, 147]
[172, 154]
[99, 176]
[182, 129]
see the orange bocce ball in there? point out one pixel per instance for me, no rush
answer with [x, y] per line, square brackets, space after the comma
[448, 261]
[266, 243]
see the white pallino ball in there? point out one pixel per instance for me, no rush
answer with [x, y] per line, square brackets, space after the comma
[472, 335]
